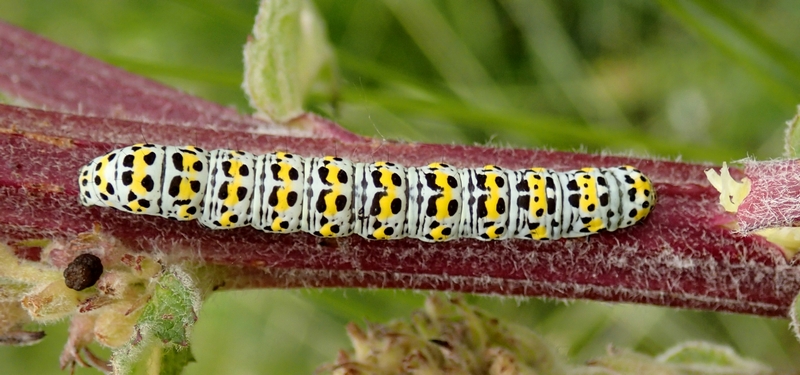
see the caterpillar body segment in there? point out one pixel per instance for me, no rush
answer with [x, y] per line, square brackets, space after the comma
[614, 200]
[485, 203]
[231, 181]
[91, 180]
[380, 200]
[636, 194]
[277, 204]
[333, 197]
[138, 179]
[577, 210]
[538, 204]
[594, 201]
[127, 179]
[184, 182]
[434, 202]
[327, 206]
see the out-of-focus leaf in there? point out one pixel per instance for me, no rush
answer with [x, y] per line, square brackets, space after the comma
[286, 54]
[779, 84]
[792, 145]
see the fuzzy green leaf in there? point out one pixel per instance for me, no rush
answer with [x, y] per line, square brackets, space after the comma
[794, 315]
[706, 358]
[792, 146]
[284, 57]
[164, 327]
[171, 311]
[174, 358]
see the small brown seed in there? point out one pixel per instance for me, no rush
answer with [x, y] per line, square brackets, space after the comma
[83, 272]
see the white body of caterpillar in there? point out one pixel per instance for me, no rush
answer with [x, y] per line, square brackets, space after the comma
[332, 197]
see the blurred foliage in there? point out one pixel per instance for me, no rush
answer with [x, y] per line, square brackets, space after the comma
[697, 79]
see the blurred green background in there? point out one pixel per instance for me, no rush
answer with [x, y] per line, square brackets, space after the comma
[679, 79]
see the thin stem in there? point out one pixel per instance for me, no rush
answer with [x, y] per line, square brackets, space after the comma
[678, 257]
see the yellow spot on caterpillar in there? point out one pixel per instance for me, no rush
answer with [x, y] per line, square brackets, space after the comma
[641, 214]
[492, 232]
[233, 187]
[437, 234]
[336, 187]
[139, 171]
[595, 225]
[326, 230]
[380, 234]
[539, 233]
[494, 196]
[185, 190]
[276, 225]
[588, 186]
[537, 191]
[283, 192]
[446, 194]
[391, 194]
[182, 212]
[225, 219]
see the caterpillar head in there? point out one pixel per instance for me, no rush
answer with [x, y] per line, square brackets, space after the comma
[636, 193]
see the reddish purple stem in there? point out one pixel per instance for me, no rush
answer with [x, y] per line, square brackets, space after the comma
[774, 199]
[55, 77]
[678, 257]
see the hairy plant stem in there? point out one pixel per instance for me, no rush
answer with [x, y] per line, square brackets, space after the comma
[680, 256]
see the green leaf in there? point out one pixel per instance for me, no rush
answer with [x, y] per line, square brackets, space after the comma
[782, 84]
[13, 290]
[172, 309]
[746, 30]
[794, 315]
[286, 55]
[625, 361]
[173, 359]
[698, 352]
[792, 145]
[163, 329]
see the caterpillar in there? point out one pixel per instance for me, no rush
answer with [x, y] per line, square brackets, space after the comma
[332, 197]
